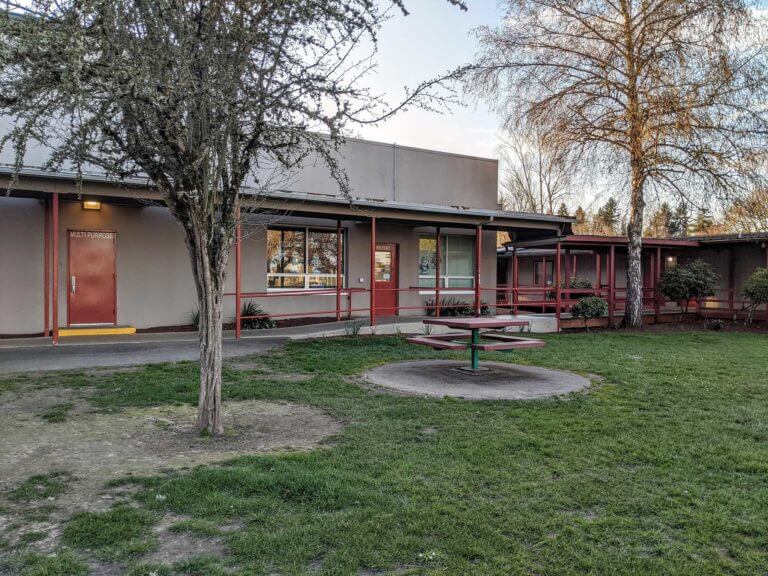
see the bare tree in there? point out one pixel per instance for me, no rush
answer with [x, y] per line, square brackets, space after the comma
[670, 93]
[536, 176]
[749, 214]
[196, 95]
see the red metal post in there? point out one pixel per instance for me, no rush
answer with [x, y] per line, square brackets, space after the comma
[46, 267]
[598, 272]
[515, 281]
[611, 284]
[731, 281]
[544, 283]
[559, 296]
[238, 274]
[438, 260]
[373, 271]
[55, 287]
[339, 263]
[568, 271]
[656, 293]
[478, 258]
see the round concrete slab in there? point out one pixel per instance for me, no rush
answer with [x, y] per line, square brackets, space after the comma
[502, 381]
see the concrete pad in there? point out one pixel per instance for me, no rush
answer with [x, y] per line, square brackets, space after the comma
[440, 378]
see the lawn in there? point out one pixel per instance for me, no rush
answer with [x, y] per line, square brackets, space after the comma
[661, 468]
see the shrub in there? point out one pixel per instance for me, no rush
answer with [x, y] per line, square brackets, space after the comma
[454, 307]
[756, 291]
[715, 324]
[588, 308]
[353, 327]
[194, 317]
[251, 308]
[579, 283]
[684, 283]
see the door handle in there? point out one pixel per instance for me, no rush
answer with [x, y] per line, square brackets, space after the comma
[73, 284]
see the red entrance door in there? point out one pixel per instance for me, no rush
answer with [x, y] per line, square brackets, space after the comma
[386, 279]
[91, 285]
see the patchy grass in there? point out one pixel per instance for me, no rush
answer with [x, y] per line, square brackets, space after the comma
[661, 469]
[57, 413]
[120, 533]
[41, 487]
[64, 563]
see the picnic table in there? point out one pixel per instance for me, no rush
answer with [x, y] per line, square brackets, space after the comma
[477, 336]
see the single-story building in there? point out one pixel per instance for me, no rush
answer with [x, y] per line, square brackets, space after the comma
[530, 272]
[112, 258]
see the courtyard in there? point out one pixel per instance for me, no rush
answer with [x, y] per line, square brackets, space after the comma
[658, 467]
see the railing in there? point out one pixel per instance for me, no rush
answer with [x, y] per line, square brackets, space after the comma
[356, 302]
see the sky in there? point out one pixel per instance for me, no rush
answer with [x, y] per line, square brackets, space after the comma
[434, 38]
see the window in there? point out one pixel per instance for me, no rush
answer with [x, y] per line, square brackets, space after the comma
[457, 269]
[543, 273]
[302, 259]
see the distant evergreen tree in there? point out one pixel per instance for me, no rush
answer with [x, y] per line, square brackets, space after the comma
[680, 223]
[581, 226]
[704, 223]
[606, 221]
[660, 222]
[562, 210]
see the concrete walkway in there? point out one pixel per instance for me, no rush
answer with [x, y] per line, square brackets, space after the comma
[105, 353]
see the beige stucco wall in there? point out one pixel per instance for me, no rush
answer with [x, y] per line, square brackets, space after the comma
[154, 280]
[21, 266]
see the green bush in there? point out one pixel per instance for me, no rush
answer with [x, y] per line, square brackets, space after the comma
[251, 308]
[579, 283]
[756, 291]
[688, 282]
[588, 308]
[455, 307]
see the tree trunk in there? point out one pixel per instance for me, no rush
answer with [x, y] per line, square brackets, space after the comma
[633, 312]
[209, 253]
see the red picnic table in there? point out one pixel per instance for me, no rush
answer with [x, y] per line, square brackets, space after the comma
[472, 340]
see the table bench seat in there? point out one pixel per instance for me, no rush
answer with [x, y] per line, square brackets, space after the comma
[441, 341]
[507, 342]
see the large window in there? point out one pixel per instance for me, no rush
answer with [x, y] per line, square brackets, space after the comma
[457, 266]
[543, 273]
[302, 258]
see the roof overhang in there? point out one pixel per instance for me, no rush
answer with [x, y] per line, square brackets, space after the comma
[521, 226]
[589, 240]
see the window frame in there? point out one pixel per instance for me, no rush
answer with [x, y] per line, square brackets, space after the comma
[446, 278]
[306, 230]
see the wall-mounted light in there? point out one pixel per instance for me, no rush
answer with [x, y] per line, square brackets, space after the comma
[91, 205]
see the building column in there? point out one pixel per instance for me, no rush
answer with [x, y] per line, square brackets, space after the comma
[558, 293]
[238, 274]
[478, 268]
[438, 260]
[373, 272]
[731, 280]
[656, 278]
[339, 264]
[598, 272]
[611, 284]
[46, 267]
[515, 281]
[55, 287]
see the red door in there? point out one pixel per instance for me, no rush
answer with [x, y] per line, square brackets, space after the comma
[386, 279]
[91, 285]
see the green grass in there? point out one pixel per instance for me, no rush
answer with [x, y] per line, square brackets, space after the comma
[40, 487]
[57, 413]
[120, 533]
[662, 468]
[63, 563]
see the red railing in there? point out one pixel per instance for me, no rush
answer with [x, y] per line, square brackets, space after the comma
[538, 299]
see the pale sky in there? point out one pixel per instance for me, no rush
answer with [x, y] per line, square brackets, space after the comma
[434, 38]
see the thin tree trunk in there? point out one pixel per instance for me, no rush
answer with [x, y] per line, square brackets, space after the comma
[209, 264]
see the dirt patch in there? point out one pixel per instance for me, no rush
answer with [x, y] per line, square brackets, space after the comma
[97, 447]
